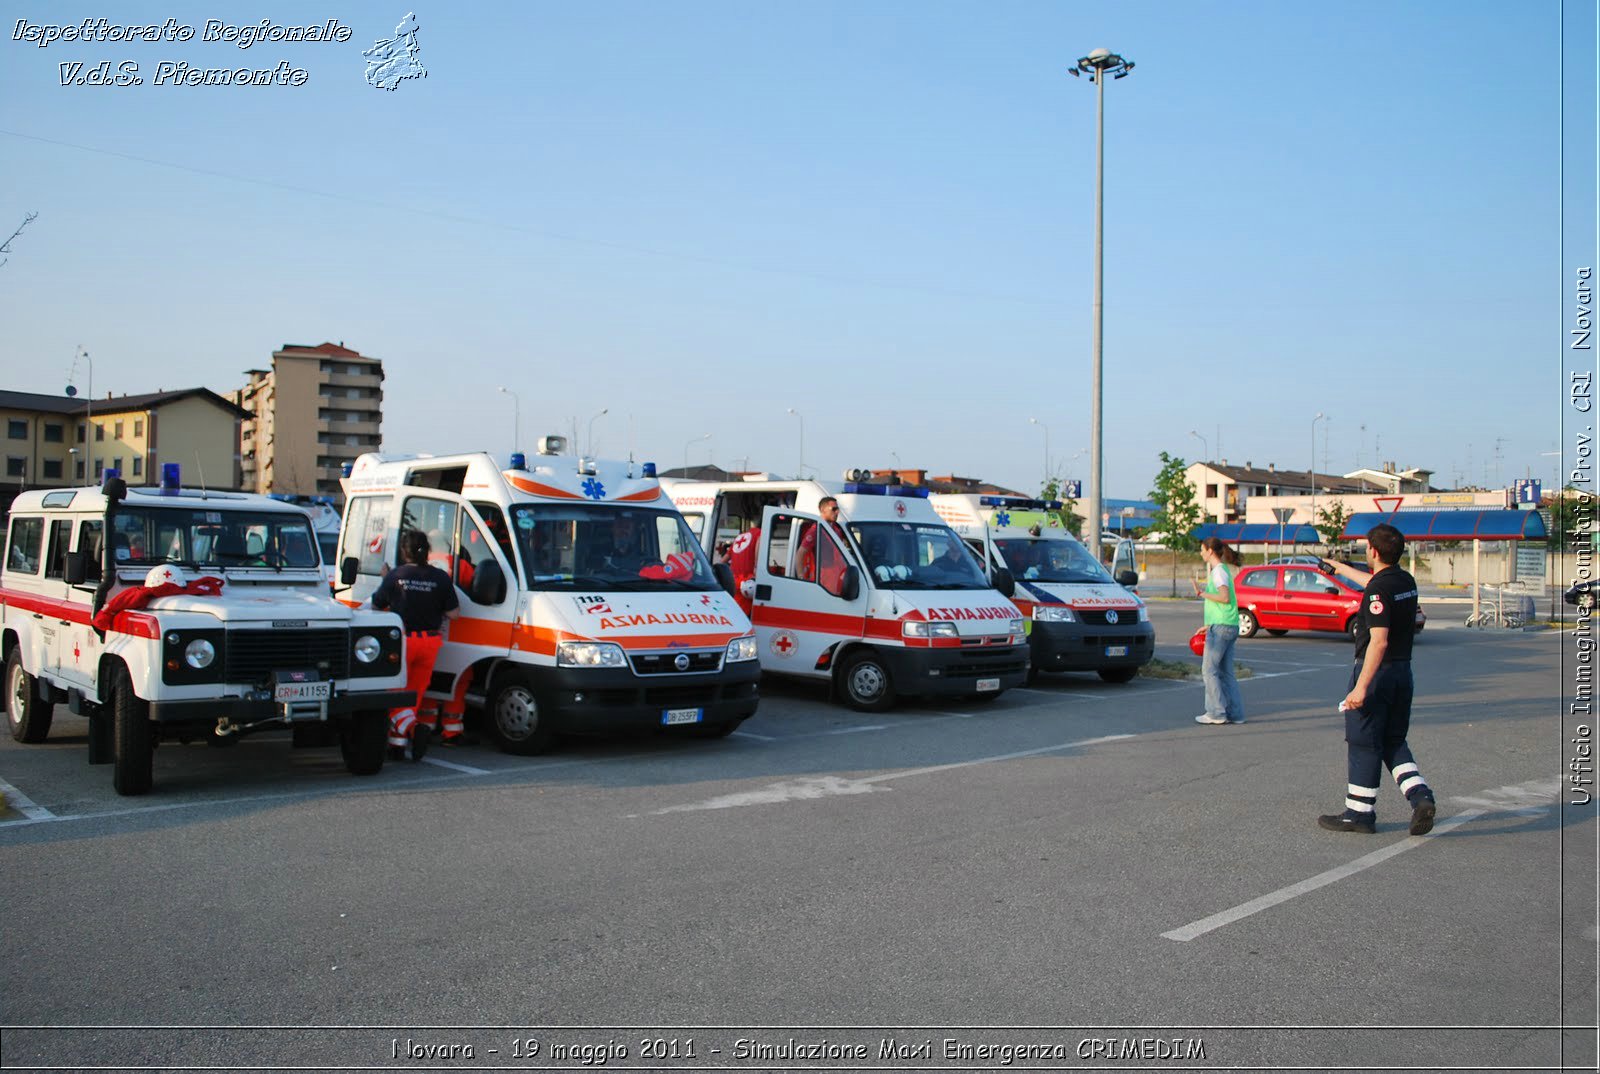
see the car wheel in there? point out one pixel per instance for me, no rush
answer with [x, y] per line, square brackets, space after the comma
[864, 679]
[516, 718]
[1247, 623]
[1353, 623]
[29, 713]
[1118, 674]
[134, 742]
[363, 741]
[1277, 633]
[1586, 601]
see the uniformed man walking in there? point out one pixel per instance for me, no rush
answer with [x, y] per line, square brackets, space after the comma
[1377, 709]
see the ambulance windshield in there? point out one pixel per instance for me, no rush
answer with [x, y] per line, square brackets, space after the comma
[583, 548]
[196, 537]
[1033, 559]
[907, 555]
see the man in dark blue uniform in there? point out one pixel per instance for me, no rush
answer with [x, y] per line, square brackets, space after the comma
[1377, 709]
[424, 597]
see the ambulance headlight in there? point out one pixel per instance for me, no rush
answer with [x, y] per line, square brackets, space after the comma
[1017, 626]
[368, 648]
[199, 654]
[1144, 613]
[935, 628]
[589, 654]
[1053, 613]
[741, 649]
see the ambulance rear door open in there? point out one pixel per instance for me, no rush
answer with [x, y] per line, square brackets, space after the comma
[806, 604]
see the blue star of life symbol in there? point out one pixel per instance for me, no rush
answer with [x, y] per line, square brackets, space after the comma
[1002, 519]
[594, 489]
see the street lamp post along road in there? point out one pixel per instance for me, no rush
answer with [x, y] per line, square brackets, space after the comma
[1097, 65]
[1046, 428]
[516, 416]
[603, 412]
[1320, 416]
[802, 471]
[689, 443]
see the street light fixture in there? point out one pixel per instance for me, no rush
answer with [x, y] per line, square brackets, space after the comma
[802, 470]
[1046, 428]
[687, 444]
[1097, 65]
[1320, 416]
[1204, 444]
[516, 417]
[88, 399]
[603, 412]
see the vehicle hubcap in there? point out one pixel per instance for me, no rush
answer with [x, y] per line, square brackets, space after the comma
[867, 682]
[517, 714]
[18, 694]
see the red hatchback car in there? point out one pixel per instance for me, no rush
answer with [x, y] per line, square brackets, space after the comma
[1288, 597]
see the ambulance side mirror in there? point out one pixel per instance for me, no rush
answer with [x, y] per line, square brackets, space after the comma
[76, 569]
[724, 576]
[1128, 579]
[850, 583]
[348, 569]
[1005, 581]
[488, 583]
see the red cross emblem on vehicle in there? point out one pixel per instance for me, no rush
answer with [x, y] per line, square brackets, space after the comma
[900, 508]
[783, 643]
[75, 652]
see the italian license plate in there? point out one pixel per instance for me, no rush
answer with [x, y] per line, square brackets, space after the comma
[302, 691]
[1116, 650]
[677, 716]
[986, 685]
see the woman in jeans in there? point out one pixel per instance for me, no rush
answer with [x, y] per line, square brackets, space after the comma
[1223, 703]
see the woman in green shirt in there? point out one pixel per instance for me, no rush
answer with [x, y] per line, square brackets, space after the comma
[1223, 703]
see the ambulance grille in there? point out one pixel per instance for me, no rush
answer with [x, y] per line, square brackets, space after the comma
[665, 663]
[1097, 616]
[253, 655]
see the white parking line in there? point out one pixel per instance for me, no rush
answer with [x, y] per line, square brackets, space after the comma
[1522, 798]
[23, 804]
[752, 734]
[456, 767]
[855, 730]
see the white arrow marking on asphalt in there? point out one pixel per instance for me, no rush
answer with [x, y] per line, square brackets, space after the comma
[828, 786]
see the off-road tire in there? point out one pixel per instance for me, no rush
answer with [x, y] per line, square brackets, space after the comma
[29, 714]
[364, 741]
[134, 747]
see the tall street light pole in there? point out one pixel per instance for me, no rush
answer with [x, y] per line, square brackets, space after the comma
[1204, 443]
[1320, 416]
[687, 444]
[802, 470]
[1097, 65]
[603, 412]
[1046, 428]
[516, 417]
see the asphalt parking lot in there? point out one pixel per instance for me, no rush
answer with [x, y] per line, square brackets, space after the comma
[1072, 856]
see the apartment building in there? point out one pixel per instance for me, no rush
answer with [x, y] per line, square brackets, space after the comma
[315, 409]
[54, 441]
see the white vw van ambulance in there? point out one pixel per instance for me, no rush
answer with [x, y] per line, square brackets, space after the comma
[1080, 618]
[889, 602]
[169, 613]
[587, 606]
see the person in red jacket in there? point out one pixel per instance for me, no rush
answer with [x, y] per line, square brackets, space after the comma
[742, 562]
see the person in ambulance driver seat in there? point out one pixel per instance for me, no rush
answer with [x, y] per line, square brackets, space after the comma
[1377, 709]
[424, 597]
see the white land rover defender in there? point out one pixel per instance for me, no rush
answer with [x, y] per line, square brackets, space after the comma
[166, 613]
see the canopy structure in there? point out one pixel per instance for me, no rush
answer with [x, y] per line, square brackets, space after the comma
[1489, 524]
[1258, 533]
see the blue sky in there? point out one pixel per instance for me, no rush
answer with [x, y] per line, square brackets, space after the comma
[698, 216]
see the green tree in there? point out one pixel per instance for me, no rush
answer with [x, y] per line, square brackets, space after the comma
[1177, 510]
[1569, 512]
[1070, 519]
[1330, 523]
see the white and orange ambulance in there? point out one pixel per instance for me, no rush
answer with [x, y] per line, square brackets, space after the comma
[1079, 617]
[587, 606]
[886, 602]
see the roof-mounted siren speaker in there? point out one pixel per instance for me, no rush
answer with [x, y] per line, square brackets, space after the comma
[112, 485]
[552, 445]
[858, 475]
